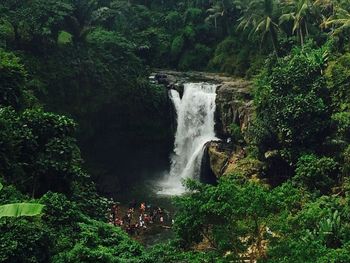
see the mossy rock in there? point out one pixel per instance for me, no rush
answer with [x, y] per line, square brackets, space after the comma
[248, 167]
[218, 159]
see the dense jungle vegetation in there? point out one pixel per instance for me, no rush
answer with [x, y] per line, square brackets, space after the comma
[74, 75]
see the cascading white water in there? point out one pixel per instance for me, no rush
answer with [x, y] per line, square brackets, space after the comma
[195, 127]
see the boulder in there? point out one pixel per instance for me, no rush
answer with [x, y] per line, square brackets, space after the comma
[247, 167]
[225, 159]
[218, 158]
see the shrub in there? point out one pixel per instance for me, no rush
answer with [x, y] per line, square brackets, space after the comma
[236, 134]
[342, 121]
[177, 46]
[12, 80]
[97, 241]
[338, 76]
[195, 59]
[39, 152]
[316, 174]
[24, 240]
[293, 104]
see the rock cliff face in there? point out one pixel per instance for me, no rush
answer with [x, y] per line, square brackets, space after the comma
[234, 105]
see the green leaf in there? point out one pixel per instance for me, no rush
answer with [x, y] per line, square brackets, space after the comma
[21, 209]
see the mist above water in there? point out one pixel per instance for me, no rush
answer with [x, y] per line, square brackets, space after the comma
[195, 127]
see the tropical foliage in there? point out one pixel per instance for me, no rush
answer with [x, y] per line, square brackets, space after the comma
[74, 82]
[20, 209]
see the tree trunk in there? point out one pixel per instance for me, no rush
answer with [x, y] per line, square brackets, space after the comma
[274, 41]
[34, 185]
[17, 38]
[257, 233]
[301, 36]
[306, 29]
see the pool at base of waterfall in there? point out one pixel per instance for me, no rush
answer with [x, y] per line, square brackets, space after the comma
[146, 192]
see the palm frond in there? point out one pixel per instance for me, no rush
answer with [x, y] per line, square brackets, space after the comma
[286, 18]
[20, 209]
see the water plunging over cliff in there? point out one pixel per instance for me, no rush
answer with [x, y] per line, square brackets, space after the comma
[195, 127]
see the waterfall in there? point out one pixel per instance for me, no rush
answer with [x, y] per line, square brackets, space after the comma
[195, 127]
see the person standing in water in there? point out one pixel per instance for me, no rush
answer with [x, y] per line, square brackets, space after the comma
[114, 213]
[142, 208]
[132, 205]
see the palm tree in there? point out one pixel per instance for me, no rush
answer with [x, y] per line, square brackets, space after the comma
[324, 9]
[79, 23]
[300, 11]
[223, 10]
[325, 4]
[214, 12]
[340, 20]
[260, 18]
[20, 209]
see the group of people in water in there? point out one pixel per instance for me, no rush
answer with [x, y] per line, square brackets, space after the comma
[136, 217]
